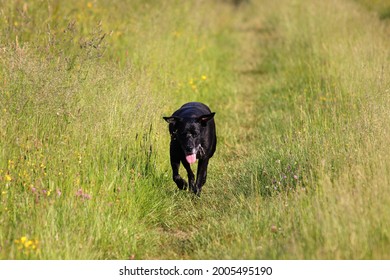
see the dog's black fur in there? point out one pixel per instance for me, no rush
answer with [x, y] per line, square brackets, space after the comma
[192, 130]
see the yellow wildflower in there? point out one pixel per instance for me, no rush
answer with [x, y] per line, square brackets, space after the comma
[204, 77]
[28, 243]
[8, 177]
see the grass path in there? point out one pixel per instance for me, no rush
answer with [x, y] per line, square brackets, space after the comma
[193, 223]
[200, 219]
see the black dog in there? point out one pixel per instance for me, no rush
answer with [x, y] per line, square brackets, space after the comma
[192, 130]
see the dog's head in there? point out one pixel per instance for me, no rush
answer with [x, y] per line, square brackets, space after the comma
[189, 132]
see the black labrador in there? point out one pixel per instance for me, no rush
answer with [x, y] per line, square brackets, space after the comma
[193, 137]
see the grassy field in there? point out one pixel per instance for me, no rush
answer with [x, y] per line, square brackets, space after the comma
[301, 90]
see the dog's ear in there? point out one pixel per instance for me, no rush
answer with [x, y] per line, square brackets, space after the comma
[205, 118]
[171, 120]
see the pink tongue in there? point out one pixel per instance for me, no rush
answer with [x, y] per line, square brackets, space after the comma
[191, 158]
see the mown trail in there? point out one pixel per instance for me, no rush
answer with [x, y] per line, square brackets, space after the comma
[228, 210]
[196, 221]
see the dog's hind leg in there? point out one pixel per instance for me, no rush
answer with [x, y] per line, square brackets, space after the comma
[191, 176]
[201, 176]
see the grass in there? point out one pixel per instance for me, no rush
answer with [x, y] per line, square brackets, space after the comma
[381, 7]
[301, 94]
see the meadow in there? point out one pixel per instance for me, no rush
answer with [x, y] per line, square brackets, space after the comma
[301, 93]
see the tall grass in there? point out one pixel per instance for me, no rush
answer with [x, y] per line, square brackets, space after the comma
[301, 94]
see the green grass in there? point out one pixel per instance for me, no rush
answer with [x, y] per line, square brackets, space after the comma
[301, 91]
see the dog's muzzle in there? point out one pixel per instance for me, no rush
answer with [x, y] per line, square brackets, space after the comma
[191, 158]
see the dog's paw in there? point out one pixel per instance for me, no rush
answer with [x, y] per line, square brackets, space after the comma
[181, 183]
[184, 185]
[196, 191]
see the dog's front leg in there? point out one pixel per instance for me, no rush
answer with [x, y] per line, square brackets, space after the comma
[191, 176]
[175, 164]
[201, 176]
